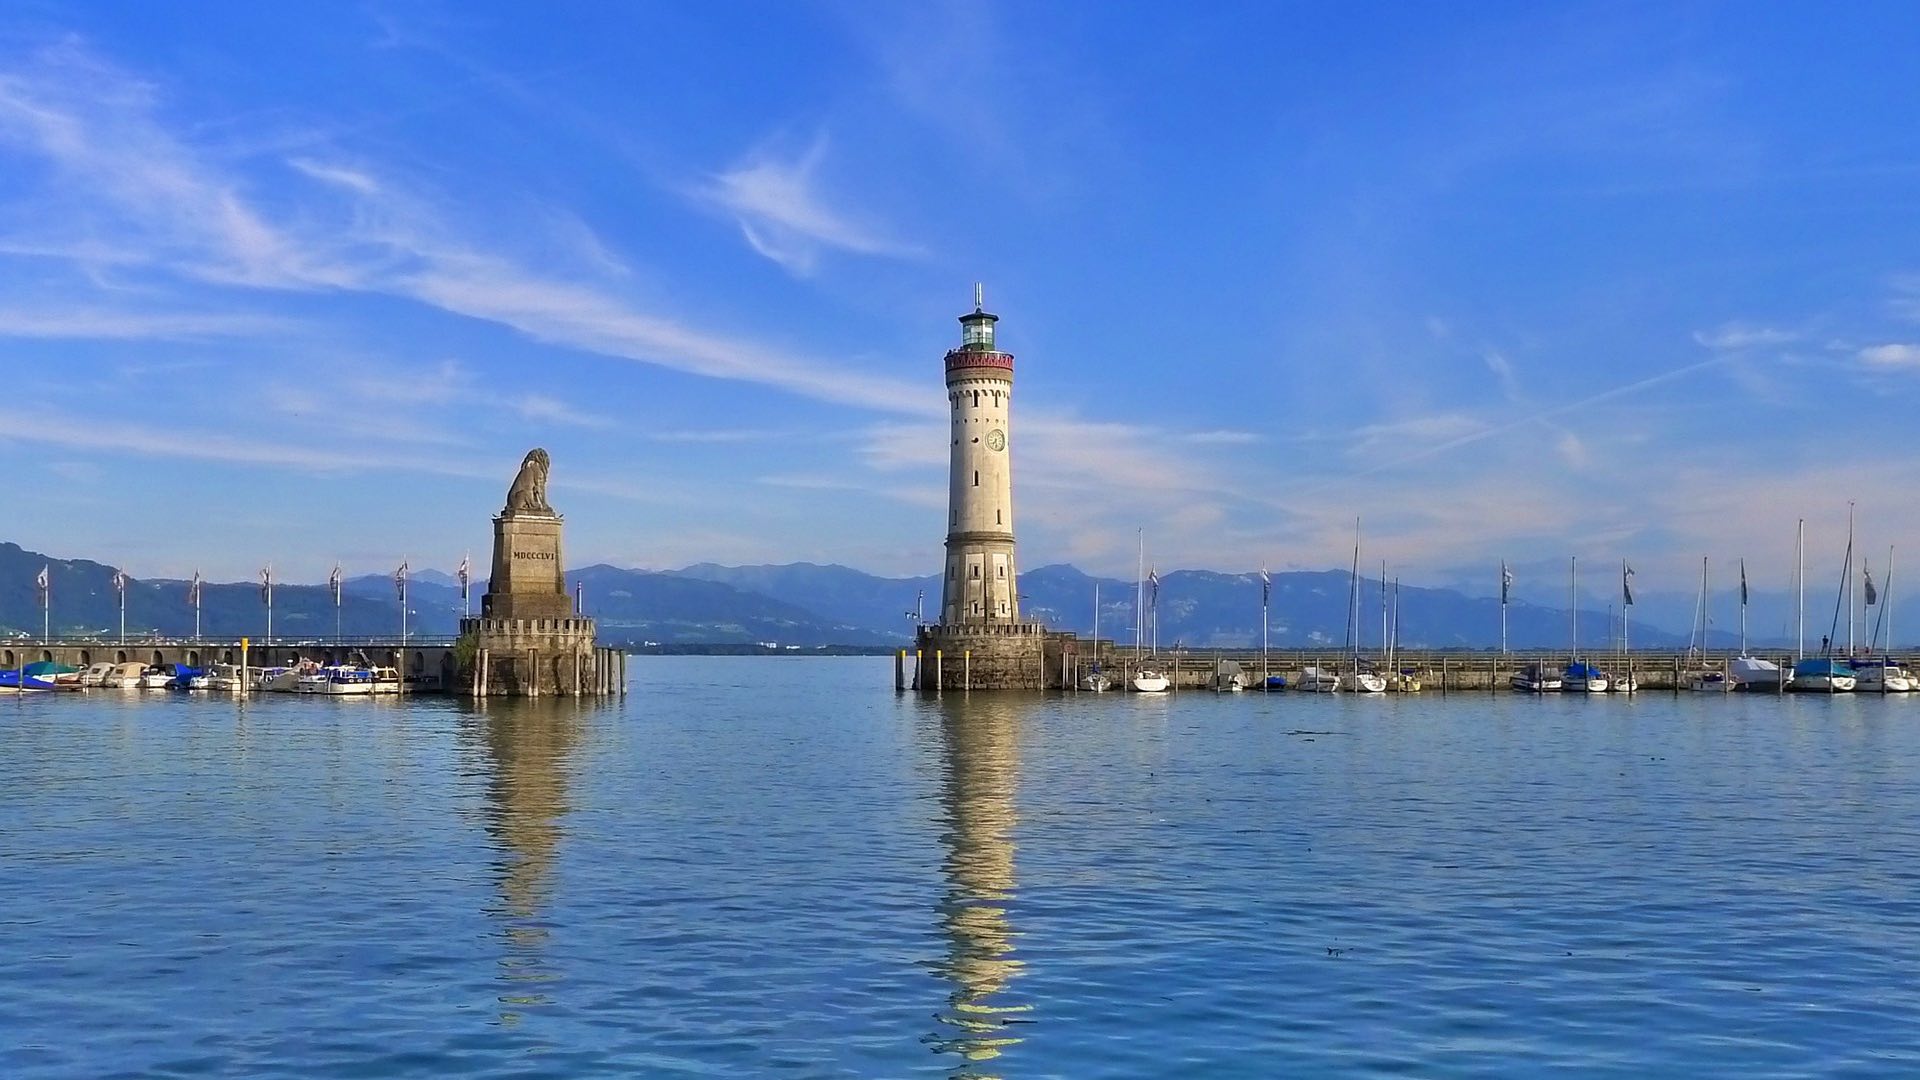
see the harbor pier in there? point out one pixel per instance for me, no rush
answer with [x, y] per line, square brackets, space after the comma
[1060, 659]
[426, 664]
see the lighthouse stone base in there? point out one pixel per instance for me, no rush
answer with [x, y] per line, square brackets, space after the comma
[994, 656]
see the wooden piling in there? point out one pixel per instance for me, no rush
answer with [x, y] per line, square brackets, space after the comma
[900, 671]
[919, 684]
[939, 669]
[966, 670]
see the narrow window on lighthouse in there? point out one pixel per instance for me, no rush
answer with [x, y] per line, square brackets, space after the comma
[996, 517]
[976, 478]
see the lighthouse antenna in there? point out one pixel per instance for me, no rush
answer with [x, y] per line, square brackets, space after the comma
[979, 296]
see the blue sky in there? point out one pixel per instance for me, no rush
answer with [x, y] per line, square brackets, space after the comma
[302, 282]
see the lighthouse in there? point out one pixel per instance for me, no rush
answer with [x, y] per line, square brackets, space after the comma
[981, 642]
[980, 584]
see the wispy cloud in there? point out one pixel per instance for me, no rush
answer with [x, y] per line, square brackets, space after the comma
[1891, 356]
[122, 173]
[784, 217]
[337, 175]
[107, 324]
[1734, 336]
[1224, 437]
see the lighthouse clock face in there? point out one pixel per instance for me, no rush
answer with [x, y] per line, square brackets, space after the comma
[996, 439]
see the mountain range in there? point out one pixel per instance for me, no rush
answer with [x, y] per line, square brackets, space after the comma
[808, 604]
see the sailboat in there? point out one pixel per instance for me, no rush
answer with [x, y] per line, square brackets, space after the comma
[1355, 680]
[1398, 680]
[1096, 680]
[1621, 681]
[1750, 672]
[1146, 679]
[1700, 679]
[1876, 672]
[1824, 674]
[1580, 677]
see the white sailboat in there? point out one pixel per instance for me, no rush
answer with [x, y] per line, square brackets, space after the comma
[1700, 679]
[1826, 675]
[1356, 680]
[1750, 672]
[1096, 681]
[1146, 679]
[1877, 673]
[1580, 678]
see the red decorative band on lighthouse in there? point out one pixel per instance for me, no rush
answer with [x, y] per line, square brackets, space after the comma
[962, 358]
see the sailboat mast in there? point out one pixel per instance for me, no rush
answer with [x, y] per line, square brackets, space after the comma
[1353, 595]
[1139, 600]
[1386, 638]
[1573, 605]
[1848, 570]
[1800, 591]
[1706, 620]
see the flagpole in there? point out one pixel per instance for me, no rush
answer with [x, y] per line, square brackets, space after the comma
[120, 582]
[46, 611]
[196, 607]
[1505, 580]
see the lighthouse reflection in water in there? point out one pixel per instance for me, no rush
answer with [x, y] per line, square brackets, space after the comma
[984, 1014]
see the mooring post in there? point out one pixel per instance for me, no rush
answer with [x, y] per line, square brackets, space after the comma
[1444, 674]
[966, 670]
[939, 670]
[900, 671]
[1676, 674]
[919, 684]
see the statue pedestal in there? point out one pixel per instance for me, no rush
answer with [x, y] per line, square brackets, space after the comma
[529, 569]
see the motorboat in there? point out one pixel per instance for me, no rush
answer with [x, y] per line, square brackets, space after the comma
[1404, 681]
[96, 674]
[1709, 682]
[386, 680]
[343, 682]
[1363, 682]
[1228, 678]
[1880, 675]
[1096, 681]
[158, 678]
[125, 675]
[228, 678]
[1317, 680]
[1822, 675]
[189, 678]
[1622, 684]
[19, 682]
[1581, 677]
[62, 676]
[286, 680]
[1753, 674]
[1150, 680]
[1274, 682]
[1535, 679]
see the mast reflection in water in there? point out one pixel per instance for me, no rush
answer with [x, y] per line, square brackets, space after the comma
[981, 742]
[529, 745]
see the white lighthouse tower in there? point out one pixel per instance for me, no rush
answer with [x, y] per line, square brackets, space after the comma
[980, 583]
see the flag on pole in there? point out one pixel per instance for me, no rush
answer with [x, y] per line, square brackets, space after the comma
[400, 581]
[466, 568]
[1743, 583]
[333, 584]
[1872, 596]
[43, 585]
[193, 590]
[1266, 586]
[1506, 581]
[120, 583]
[1626, 585]
[266, 584]
[1153, 587]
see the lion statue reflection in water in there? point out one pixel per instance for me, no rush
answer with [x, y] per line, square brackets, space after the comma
[528, 495]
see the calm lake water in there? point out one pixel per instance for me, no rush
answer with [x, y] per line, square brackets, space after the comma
[757, 867]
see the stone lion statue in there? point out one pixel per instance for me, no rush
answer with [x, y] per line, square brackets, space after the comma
[529, 491]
